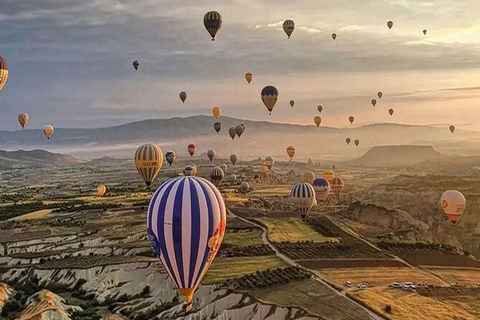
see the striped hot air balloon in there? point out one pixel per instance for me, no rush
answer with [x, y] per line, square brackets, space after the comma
[322, 188]
[148, 161]
[288, 27]
[269, 97]
[269, 162]
[170, 156]
[3, 73]
[189, 170]
[217, 175]
[212, 22]
[303, 196]
[185, 224]
[308, 177]
[337, 185]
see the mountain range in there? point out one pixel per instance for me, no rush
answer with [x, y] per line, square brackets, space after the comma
[261, 138]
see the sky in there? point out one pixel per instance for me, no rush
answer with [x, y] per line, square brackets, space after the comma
[70, 61]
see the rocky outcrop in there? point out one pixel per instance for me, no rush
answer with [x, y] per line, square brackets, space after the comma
[5, 293]
[46, 305]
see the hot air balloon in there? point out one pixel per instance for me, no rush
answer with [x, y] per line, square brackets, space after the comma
[357, 142]
[101, 190]
[148, 161]
[292, 103]
[336, 185]
[244, 187]
[232, 132]
[288, 27]
[303, 196]
[265, 169]
[390, 24]
[211, 154]
[334, 36]
[351, 119]
[23, 119]
[212, 22]
[194, 169]
[333, 167]
[170, 156]
[291, 152]
[322, 188]
[329, 175]
[216, 176]
[452, 129]
[239, 129]
[320, 108]
[453, 204]
[248, 77]
[269, 162]
[183, 96]
[269, 97]
[217, 112]
[348, 140]
[233, 178]
[425, 31]
[48, 131]
[374, 102]
[233, 159]
[390, 111]
[379, 94]
[217, 126]
[3, 73]
[178, 214]
[136, 64]
[308, 177]
[317, 120]
[188, 171]
[224, 167]
[191, 149]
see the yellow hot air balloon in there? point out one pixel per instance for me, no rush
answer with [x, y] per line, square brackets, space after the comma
[101, 189]
[291, 152]
[217, 111]
[249, 77]
[23, 119]
[3, 73]
[317, 120]
[265, 168]
[309, 177]
[329, 175]
[148, 161]
[48, 131]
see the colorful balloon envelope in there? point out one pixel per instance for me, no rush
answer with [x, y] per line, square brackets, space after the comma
[269, 162]
[194, 169]
[191, 149]
[269, 97]
[291, 152]
[217, 112]
[303, 196]
[101, 190]
[336, 185]
[186, 224]
[212, 22]
[148, 161]
[3, 73]
[23, 119]
[189, 171]
[248, 77]
[329, 175]
[453, 204]
[288, 27]
[216, 176]
[309, 177]
[170, 156]
[322, 189]
[48, 131]
[266, 169]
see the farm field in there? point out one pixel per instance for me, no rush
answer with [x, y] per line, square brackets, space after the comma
[463, 276]
[243, 238]
[412, 306]
[32, 215]
[226, 268]
[291, 230]
[378, 276]
[357, 263]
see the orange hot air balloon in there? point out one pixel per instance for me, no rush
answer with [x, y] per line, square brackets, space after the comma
[291, 152]
[217, 112]
[249, 77]
[336, 185]
[101, 190]
[48, 131]
[329, 175]
[317, 120]
[191, 149]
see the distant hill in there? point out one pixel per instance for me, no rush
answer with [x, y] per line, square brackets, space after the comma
[395, 156]
[39, 158]
[261, 138]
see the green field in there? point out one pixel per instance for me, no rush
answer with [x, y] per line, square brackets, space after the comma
[292, 230]
[242, 239]
[228, 268]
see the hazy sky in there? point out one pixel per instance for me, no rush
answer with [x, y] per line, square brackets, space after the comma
[71, 60]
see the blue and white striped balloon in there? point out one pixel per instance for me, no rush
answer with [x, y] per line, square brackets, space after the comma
[186, 223]
[303, 196]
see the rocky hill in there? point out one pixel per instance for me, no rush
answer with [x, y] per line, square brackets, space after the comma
[396, 156]
[34, 158]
